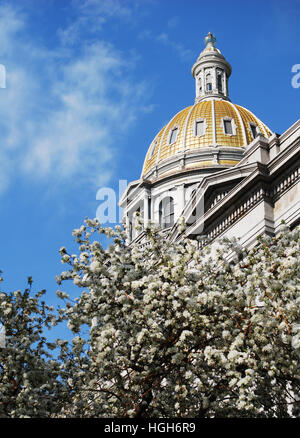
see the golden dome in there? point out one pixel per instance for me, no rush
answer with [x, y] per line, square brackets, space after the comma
[212, 124]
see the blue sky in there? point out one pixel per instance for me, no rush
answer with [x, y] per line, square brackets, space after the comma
[89, 83]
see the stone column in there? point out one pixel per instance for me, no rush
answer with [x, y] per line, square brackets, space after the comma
[146, 207]
[180, 202]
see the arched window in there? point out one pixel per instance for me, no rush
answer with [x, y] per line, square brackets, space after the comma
[208, 82]
[219, 82]
[166, 212]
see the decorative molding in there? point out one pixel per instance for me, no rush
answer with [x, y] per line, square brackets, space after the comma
[242, 209]
[218, 198]
[271, 194]
[285, 183]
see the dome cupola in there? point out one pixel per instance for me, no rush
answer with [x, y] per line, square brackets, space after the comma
[211, 72]
[210, 135]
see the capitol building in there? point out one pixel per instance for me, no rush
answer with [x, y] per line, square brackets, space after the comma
[218, 166]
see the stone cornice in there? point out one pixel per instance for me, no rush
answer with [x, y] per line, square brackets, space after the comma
[222, 177]
[290, 131]
[270, 191]
[262, 178]
[287, 154]
[230, 199]
[178, 163]
[240, 200]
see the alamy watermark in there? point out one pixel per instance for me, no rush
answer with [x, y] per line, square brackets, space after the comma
[295, 81]
[163, 208]
[109, 211]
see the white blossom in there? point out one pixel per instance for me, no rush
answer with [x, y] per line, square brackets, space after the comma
[160, 330]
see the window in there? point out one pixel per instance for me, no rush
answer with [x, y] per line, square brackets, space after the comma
[228, 127]
[208, 82]
[254, 130]
[166, 212]
[219, 82]
[200, 126]
[173, 135]
[153, 149]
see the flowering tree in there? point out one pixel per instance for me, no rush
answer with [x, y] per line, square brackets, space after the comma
[170, 330]
[29, 376]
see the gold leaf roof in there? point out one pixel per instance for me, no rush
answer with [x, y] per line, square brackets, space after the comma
[212, 112]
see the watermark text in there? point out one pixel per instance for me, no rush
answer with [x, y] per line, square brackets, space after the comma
[296, 78]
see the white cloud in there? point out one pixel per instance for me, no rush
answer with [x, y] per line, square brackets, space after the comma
[63, 110]
[164, 38]
[93, 14]
[11, 24]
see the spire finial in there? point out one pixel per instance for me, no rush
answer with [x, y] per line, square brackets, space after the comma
[210, 40]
